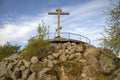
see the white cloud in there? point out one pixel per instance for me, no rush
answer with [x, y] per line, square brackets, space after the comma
[83, 19]
[12, 32]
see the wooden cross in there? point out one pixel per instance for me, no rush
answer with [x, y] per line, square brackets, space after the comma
[58, 12]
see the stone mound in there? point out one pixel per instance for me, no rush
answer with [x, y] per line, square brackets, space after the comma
[68, 61]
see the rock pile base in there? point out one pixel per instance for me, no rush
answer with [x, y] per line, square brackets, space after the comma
[68, 61]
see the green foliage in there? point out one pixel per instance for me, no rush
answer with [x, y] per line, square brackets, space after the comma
[34, 48]
[42, 30]
[8, 49]
[37, 44]
[103, 77]
[111, 39]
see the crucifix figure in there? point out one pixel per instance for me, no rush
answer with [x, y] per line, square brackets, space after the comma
[58, 12]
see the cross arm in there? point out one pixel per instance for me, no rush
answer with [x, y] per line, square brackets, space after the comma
[52, 13]
[64, 13]
[56, 13]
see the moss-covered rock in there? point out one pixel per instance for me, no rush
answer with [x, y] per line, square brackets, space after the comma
[37, 67]
[107, 62]
[115, 75]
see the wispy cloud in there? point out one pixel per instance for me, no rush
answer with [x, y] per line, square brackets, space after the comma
[85, 19]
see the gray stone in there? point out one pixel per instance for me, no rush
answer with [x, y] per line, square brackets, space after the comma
[55, 61]
[9, 73]
[19, 64]
[72, 51]
[52, 46]
[16, 61]
[4, 64]
[25, 74]
[68, 44]
[50, 77]
[56, 55]
[83, 75]
[37, 67]
[50, 63]
[72, 56]
[91, 71]
[16, 74]
[79, 48]
[34, 60]
[64, 46]
[32, 76]
[86, 78]
[93, 61]
[62, 57]
[41, 74]
[22, 68]
[51, 57]
[78, 55]
[45, 61]
[69, 48]
[83, 61]
[66, 51]
[10, 66]
[64, 77]
[59, 46]
[26, 64]
[3, 70]
[67, 56]
[91, 52]
[73, 44]
[20, 79]
[61, 51]
[2, 78]
[44, 70]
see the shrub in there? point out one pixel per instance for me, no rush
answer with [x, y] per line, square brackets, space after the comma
[8, 49]
[37, 44]
[34, 48]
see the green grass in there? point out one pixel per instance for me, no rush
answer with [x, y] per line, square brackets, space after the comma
[103, 77]
[35, 48]
[7, 50]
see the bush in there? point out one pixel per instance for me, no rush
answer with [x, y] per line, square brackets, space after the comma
[34, 48]
[37, 45]
[8, 49]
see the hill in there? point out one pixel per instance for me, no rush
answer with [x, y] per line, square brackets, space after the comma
[63, 61]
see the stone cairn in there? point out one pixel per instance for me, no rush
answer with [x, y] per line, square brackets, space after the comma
[68, 61]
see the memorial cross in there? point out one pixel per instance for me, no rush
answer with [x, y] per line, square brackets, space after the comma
[58, 12]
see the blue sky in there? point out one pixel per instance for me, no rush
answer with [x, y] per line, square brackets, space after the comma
[19, 18]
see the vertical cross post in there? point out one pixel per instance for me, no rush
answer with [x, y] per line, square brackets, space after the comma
[58, 12]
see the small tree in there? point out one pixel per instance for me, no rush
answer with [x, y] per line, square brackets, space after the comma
[112, 39]
[42, 30]
[36, 44]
